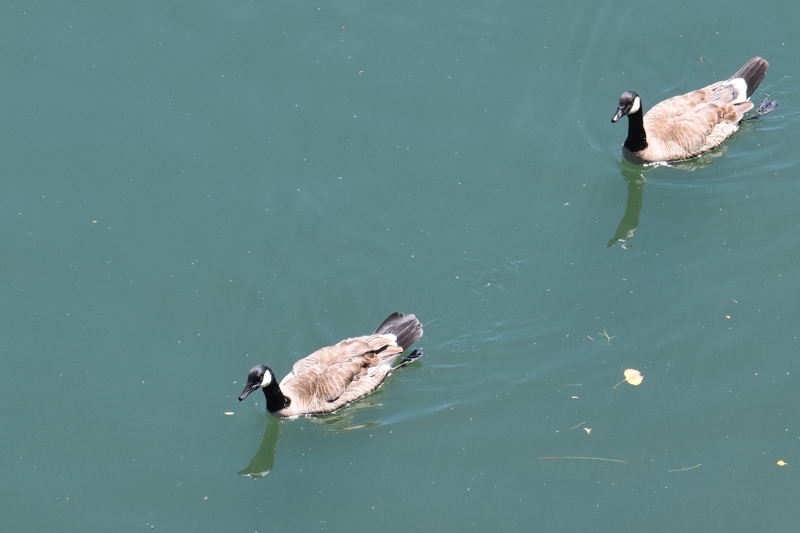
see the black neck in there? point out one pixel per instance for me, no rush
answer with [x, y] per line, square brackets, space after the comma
[275, 398]
[637, 138]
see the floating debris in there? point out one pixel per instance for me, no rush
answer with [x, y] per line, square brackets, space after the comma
[685, 469]
[585, 458]
[632, 376]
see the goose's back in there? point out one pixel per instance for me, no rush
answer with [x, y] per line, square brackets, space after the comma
[337, 375]
[690, 124]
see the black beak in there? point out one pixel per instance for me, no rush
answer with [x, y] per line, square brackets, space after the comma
[618, 115]
[246, 392]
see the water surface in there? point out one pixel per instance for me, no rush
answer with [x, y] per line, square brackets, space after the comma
[192, 189]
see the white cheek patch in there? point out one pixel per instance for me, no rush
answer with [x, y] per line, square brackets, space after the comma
[267, 379]
[637, 105]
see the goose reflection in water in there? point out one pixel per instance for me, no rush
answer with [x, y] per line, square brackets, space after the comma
[635, 176]
[633, 206]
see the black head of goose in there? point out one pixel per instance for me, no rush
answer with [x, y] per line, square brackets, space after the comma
[688, 125]
[333, 377]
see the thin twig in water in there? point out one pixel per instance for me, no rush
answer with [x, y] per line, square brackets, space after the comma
[579, 425]
[604, 334]
[607, 336]
[586, 458]
[685, 469]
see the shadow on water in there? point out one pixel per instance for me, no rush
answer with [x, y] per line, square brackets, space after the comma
[701, 161]
[342, 420]
[635, 176]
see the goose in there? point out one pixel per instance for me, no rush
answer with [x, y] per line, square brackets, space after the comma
[688, 125]
[333, 377]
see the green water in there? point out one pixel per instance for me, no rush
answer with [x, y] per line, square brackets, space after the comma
[192, 188]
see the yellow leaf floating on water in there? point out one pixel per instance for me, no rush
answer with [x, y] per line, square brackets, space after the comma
[632, 376]
[782, 463]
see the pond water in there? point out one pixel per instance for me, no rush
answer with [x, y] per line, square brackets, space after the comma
[190, 189]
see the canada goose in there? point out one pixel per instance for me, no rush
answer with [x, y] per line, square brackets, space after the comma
[332, 377]
[685, 126]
